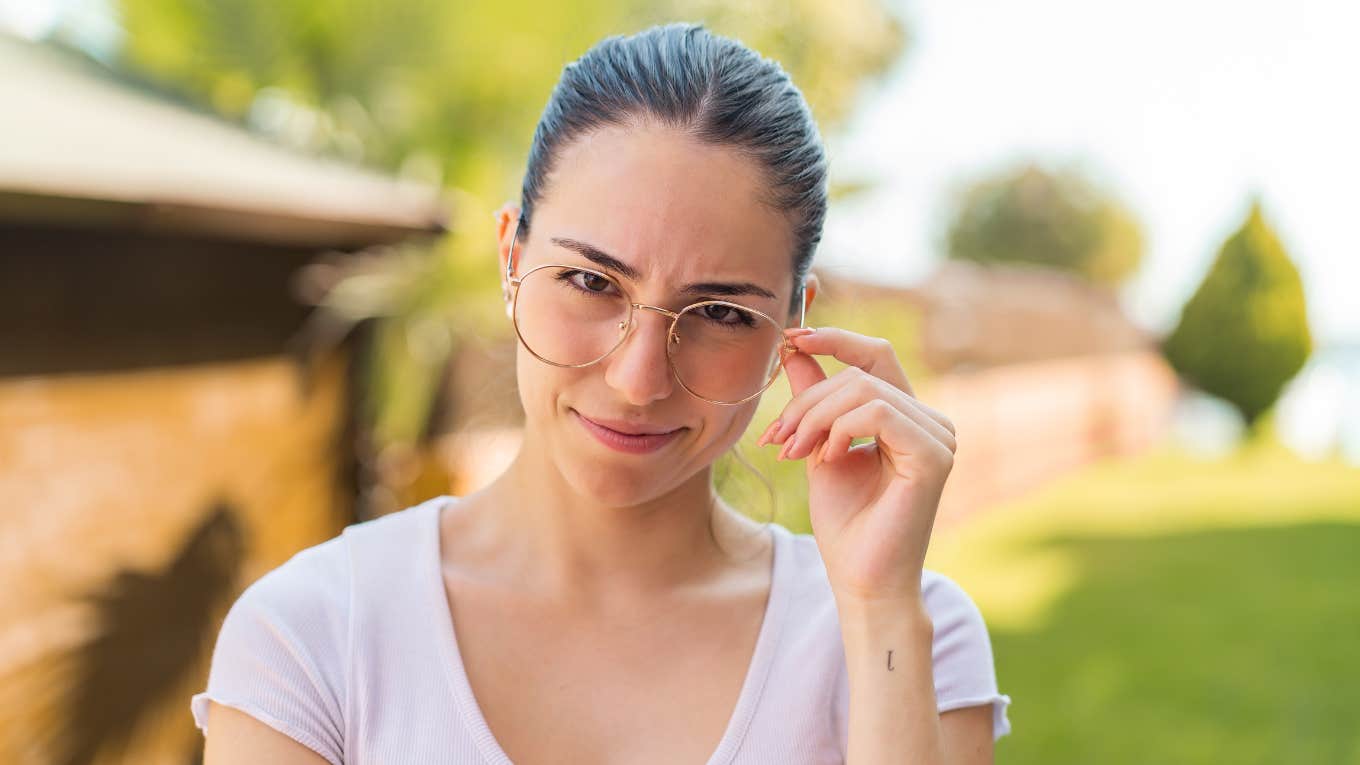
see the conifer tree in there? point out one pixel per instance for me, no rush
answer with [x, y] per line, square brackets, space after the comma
[1244, 333]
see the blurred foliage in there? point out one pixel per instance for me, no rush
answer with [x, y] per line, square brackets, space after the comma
[829, 48]
[1244, 333]
[1060, 219]
[449, 92]
[419, 305]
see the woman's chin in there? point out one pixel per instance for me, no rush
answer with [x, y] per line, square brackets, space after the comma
[617, 486]
[621, 480]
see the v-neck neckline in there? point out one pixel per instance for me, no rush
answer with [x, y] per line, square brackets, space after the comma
[757, 670]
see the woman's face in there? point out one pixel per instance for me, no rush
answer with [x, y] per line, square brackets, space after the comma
[677, 212]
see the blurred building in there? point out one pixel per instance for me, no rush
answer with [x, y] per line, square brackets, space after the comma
[164, 437]
[1041, 371]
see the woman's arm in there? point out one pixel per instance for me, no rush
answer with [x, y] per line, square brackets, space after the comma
[872, 509]
[893, 715]
[236, 738]
[892, 689]
[968, 737]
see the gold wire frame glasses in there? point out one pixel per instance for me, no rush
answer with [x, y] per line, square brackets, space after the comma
[573, 325]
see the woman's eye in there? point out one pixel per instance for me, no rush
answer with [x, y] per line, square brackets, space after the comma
[590, 282]
[724, 314]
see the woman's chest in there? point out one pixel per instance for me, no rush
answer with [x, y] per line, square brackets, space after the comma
[669, 685]
[657, 687]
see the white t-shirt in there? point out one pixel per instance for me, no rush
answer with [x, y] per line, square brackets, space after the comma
[349, 648]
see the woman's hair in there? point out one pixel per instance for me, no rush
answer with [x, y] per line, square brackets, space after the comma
[712, 87]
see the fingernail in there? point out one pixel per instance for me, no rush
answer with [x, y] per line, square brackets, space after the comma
[779, 435]
[799, 331]
[783, 453]
[769, 431]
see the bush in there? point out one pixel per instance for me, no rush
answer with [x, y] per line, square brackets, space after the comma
[1059, 219]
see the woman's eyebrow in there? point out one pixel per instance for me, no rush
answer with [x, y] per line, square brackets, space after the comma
[605, 260]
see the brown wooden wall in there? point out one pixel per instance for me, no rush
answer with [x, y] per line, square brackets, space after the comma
[74, 301]
[158, 452]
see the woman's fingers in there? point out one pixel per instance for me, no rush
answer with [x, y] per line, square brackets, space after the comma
[874, 372]
[906, 440]
[806, 399]
[874, 355]
[812, 416]
[802, 370]
[816, 416]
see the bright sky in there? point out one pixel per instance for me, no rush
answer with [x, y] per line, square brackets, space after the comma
[1181, 107]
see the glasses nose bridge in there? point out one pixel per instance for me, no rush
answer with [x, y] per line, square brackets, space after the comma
[630, 326]
[632, 320]
[664, 312]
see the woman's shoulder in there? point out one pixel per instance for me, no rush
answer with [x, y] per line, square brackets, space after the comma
[320, 576]
[311, 583]
[280, 650]
[284, 646]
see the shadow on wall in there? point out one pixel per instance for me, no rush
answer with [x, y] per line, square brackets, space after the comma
[145, 643]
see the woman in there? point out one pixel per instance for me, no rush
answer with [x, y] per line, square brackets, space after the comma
[609, 607]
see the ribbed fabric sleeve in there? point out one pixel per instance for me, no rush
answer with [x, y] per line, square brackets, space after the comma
[965, 670]
[961, 654]
[281, 652]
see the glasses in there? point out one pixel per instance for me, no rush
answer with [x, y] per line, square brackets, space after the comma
[571, 316]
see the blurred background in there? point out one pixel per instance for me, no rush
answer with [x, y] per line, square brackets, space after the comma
[248, 296]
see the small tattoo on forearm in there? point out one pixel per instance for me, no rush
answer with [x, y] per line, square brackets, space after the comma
[890, 666]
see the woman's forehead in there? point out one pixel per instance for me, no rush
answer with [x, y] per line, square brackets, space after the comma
[674, 209]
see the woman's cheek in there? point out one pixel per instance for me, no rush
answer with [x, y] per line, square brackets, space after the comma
[540, 388]
[726, 427]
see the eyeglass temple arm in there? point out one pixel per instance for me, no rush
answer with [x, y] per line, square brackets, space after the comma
[510, 261]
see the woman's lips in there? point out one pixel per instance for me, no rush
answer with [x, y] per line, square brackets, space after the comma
[622, 441]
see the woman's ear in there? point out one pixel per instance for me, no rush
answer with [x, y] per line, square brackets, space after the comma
[810, 287]
[506, 217]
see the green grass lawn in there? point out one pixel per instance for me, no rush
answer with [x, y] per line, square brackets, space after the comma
[1168, 609]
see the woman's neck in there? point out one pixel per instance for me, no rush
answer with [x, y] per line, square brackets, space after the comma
[562, 540]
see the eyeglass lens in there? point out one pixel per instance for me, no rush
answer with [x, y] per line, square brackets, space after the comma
[573, 317]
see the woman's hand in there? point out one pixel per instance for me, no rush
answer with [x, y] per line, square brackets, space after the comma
[872, 506]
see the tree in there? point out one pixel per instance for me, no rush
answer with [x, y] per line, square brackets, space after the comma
[463, 82]
[1244, 333]
[1060, 219]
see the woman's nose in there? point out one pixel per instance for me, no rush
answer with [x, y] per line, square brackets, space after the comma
[639, 368]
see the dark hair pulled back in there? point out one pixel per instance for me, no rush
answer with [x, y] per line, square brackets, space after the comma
[714, 88]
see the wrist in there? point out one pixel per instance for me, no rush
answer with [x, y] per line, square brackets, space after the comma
[900, 613]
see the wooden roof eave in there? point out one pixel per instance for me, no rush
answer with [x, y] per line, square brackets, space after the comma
[167, 218]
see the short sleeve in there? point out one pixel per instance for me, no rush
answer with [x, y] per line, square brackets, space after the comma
[965, 670]
[280, 655]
